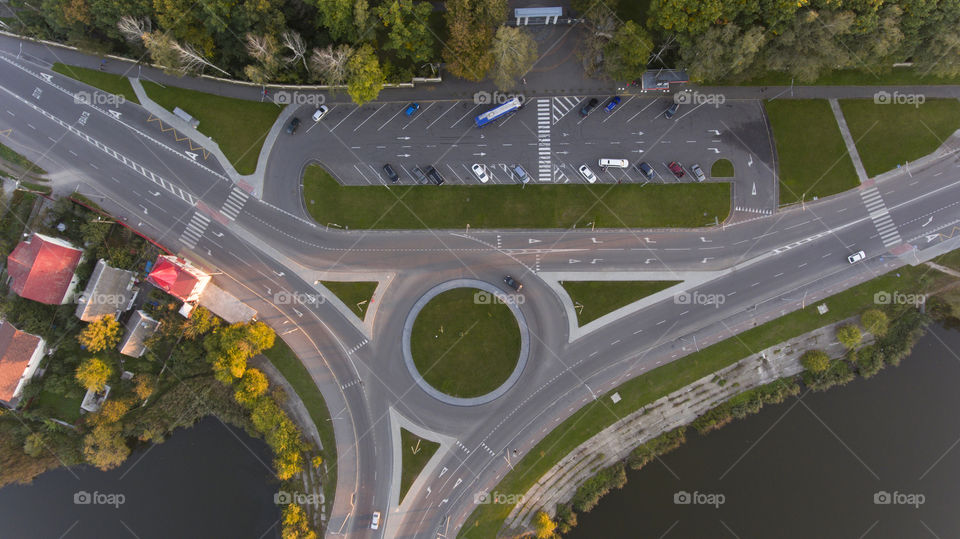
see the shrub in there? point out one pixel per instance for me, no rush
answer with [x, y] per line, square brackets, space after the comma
[849, 335]
[838, 374]
[544, 525]
[869, 361]
[93, 374]
[815, 361]
[661, 445]
[590, 492]
[875, 321]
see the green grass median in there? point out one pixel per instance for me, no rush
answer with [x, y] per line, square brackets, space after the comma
[812, 156]
[888, 134]
[593, 299]
[416, 453]
[354, 294]
[108, 82]
[238, 126]
[486, 520]
[511, 206]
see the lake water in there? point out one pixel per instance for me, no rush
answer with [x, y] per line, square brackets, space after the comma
[813, 467]
[208, 481]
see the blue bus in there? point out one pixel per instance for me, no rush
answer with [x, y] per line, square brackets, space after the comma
[494, 114]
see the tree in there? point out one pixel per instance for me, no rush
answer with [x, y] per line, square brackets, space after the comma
[161, 48]
[93, 374]
[811, 44]
[200, 322]
[338, 18]
[722, 51]
[252, 385]
[33, 445]
[104, 447]
[100, 334]
[815, 361]
[470, 25]
[364, 77]
[849, 335]
[514, 52]
[111, 411]
[265, 50]
[627, 53]
[686, 16]
[134, 29]
[330, 63]
[297, 47]
[144, 385]
[294, 523]
[545, 527]
[408, 32]
[875, 322]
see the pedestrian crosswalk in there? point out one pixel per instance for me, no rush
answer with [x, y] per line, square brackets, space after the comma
[545, 166]
[563, 105]
[234, 203]
[761, 211]
[880, 217]
[195, 229]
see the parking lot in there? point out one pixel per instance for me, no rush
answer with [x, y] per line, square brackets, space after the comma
[548, 138]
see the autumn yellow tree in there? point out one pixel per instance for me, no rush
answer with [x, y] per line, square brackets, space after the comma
[93, 374]
[100, 334]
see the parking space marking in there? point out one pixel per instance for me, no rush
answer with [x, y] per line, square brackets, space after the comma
[562, 106]
[464, 116]
[355, 167]
[652, 101]
[559, 175]
[391, 118]
[417, 115]
[618, 109]
[365, 121]
[345, 118]
[455, 173]
[454, 104]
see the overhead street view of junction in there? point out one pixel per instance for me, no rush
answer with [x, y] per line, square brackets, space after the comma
[479, 269]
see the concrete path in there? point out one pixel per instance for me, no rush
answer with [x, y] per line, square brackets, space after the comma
[848, 140]
[944, 269]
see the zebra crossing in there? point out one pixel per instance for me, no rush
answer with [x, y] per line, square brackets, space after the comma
[880, 217]
[195, 229]
[545, 165]
[234, 203]
[563, 105]
[761, 211]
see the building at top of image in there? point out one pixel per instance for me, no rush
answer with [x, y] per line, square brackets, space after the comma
[43, 269]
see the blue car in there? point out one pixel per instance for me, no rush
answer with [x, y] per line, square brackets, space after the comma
[412, 108]
[612, 104]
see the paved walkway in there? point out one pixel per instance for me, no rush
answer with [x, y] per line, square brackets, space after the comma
[848, 140]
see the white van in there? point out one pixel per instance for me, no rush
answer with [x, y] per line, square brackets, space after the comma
[614, 163]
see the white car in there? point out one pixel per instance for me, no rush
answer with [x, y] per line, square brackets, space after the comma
[587, 174]
[375, 522]
[698, 173]
[856, 257]
[480, 172]
[320, 113]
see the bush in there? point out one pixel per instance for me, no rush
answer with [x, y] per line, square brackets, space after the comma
[590, 492]
[544, 525]
[838, 374]
[661, 445]
[565, 517]
[869, 361]
[875, 322]
[815, 361]
[746, 403]
[849, 335]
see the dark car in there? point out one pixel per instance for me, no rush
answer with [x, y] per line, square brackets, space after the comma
[671, 111]
[612, 104]
[391, 174]
[293, 125]
[411, 109]
[645, 169]
[512, 283]
[419, 175]
[676, 169]
[434, 175]
[592, 104]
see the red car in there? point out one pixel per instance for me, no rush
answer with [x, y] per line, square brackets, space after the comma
[676, 169]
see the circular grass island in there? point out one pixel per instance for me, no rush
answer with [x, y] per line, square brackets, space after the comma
[465, 343]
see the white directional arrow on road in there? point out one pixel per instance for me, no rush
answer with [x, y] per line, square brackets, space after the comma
[595, 260]
[403, 138]
[574, 261]
[595, 240]
[403, 155]
[705, 240]
[928, 222]
[931, 237]
[639, 133]
[754, 190]
[46, 77]
[750, 162]
[192, 155]
[714, 150]
[564, 152]
[481, 154]
[648, 240]
[531, 240]
[647, 261]
[714, 131]
[115, 114]
[457, 484]
[443, 471]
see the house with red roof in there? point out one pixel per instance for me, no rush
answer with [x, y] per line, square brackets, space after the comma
[178, 278]
[20, 355]
[42, 269]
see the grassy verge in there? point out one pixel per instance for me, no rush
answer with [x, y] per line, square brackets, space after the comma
[486, 520]
[296, 374]
[416, 452]
[464, 347]
[722, 168]
[353, 293]
[9, 155]
[897, 76]
[813, 158]
[57, 406]
[598, 298]
[237, 125]
[890, 134]
[510, 206]
[108, 82]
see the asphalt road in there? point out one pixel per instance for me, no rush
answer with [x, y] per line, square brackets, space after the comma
[763, 268]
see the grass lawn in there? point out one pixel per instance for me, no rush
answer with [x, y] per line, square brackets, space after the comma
[510, 206]
[416, 452]
[601, 297]
[296, 374]
[486, 520]
[849, 77]
[889, 134]
[14, 158]
[812, 156]
[14, 221]
[462, 347]
[237, 125]
[352, 293]
[57, 406]
[722, 168]
[108, 82]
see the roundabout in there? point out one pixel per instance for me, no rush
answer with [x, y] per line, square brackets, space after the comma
[465, 342]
